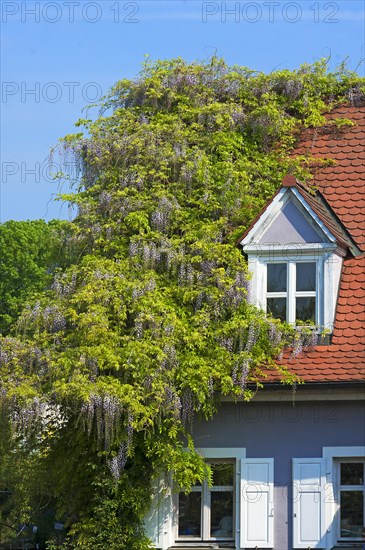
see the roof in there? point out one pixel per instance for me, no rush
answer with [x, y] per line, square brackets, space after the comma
[321, 207]
[340, 203]
[342, 184]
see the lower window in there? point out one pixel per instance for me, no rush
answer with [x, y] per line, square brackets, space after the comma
[207, 512]
[351, 499]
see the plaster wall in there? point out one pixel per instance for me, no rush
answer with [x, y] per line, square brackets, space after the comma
[284, 431]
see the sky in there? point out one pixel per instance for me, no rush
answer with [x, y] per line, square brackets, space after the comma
[57, 57]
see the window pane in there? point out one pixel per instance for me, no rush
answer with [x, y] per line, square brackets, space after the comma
[190, 514]
[352, 513]
[352, 473]
[306, 276]
[277, 308]
[305, 309]
[276, 277]
[222, 474]
[221, 516]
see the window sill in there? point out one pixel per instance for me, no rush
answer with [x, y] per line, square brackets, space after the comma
[202, 545]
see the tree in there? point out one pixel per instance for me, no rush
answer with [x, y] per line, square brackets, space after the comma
[151, 326]
[30, 252]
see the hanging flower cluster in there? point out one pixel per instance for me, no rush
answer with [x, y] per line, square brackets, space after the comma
[151, 325]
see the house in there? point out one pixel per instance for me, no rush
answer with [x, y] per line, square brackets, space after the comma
[289, 470]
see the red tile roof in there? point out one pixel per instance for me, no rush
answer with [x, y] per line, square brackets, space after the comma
[342, 184]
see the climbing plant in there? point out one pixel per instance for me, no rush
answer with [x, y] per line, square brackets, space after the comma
[103, 374]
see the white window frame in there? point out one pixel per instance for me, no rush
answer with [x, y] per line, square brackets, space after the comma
[328, 255]
[361, 488]
[333, 456]
[291, 293]
[329, 266]
[234, 454]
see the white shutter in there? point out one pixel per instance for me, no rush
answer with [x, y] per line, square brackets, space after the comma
[309, 480]
[153, 522]
[257, 503]
[158, 523]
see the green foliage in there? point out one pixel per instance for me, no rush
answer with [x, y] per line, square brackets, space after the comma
[30, 252]
[151, 326]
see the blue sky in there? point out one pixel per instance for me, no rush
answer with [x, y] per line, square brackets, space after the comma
[58, 56]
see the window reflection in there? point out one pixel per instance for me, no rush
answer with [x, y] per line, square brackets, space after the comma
[222, 474]
[277, 308]
[190, 514]
[306, 276]
[221, 515]
[276, 277]
[305, 309]
[352, 473]
[352, 513]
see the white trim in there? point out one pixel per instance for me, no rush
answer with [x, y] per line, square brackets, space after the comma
[237, 454]
[330, 454]
[311, 212]
[343, 452]
[222, 452]
[301, 249]
[329, 267]
[277, 204]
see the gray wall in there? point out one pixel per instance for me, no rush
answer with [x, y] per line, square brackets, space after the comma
[290, 226]
[283, 431]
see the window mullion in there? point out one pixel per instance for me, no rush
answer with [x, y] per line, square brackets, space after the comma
[206, 513]
[291, 292]
[320, 305]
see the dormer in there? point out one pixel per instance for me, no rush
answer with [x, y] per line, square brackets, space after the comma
[295, 250]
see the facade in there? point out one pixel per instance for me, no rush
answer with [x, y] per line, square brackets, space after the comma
[289, 469]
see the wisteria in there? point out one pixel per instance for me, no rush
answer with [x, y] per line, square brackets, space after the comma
[186, 274]
[102, 413]
[64, 285]
[253, 334]
[297, 347]
[4, 357]
[356, 95]
[170, 358]
[105, 201]
[227, 343]
[275, 334]
[118, 462]
[187, 408]
[148, 320]
[291, 88]
[139, 291]
[54, 320]
[304, 338]
[239, 118]
[179, 80]
[240, 372]
[29, 417]
[172, 402]
[161, 217]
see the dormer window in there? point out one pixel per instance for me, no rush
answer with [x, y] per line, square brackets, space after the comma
[291, 293]
[295, 250]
